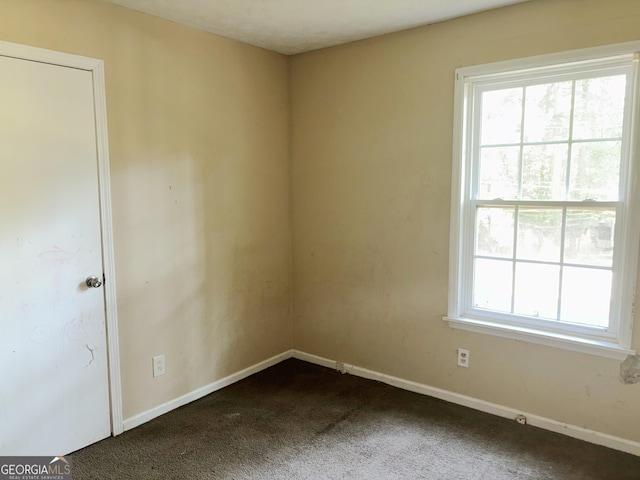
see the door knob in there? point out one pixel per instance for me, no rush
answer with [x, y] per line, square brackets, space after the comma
[93, 282]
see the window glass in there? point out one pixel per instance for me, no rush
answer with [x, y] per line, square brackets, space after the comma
[495, 232]
[599, 107]
[539, 234]
[544, 171]
[548, 112]
[499, 167]
[595, 171]
[501, 116]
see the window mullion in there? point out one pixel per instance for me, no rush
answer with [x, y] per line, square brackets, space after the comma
[513, 258]
[585, 204]
[517, 207]
[570, 145]
[552, 142]
[561, 274]
[563, 230]
[521, 155]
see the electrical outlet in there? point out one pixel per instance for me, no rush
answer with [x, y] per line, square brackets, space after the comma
[463, 358]
[158, 366]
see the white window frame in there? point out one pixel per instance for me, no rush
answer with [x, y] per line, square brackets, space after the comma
[614, 342]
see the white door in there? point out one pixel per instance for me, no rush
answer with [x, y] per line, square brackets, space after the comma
[54, 392]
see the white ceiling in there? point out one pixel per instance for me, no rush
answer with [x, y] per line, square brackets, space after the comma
[295, 26]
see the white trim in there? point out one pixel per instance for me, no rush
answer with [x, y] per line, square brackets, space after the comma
[586, 55]
[108, 254]
[42, 55]
[96, 68]
[591, 436]
[308, 357]
[628, 290]
[458, 181]
[166, 407]
[537, 336]
[461, 314]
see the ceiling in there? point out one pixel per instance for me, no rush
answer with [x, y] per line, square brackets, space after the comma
[295, 26]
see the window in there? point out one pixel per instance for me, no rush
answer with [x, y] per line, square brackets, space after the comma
[544, 233]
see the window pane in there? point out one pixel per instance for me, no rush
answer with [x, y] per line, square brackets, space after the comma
[547, 112]
[501, 116]
[539, 234]
[544, 172]
[494, 232]
[586, 294]
[595, 171]
[599, 107]
[589, 237]
[492, 285]
[536, 291]
[499, 173]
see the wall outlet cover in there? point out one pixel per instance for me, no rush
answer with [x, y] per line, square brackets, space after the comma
[159, 367]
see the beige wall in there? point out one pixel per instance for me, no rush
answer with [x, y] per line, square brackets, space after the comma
[199, 138]
[371, 147]
[198, 133]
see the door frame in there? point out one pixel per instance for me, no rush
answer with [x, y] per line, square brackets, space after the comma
[96, 68]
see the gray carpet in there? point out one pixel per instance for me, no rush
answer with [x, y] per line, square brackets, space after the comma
[300, 421]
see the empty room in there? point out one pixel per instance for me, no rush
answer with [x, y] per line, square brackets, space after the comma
[246, 239]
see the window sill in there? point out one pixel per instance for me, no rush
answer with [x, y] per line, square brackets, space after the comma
[558, 340]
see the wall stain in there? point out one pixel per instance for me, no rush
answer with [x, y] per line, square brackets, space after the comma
[630, 370]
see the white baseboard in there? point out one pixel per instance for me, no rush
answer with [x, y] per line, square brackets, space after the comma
[591, 436]
[307, 357]
[144, 417]
[598, 438]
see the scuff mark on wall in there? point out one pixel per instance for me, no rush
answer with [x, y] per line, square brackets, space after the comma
[91, 350]
[630, 370]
